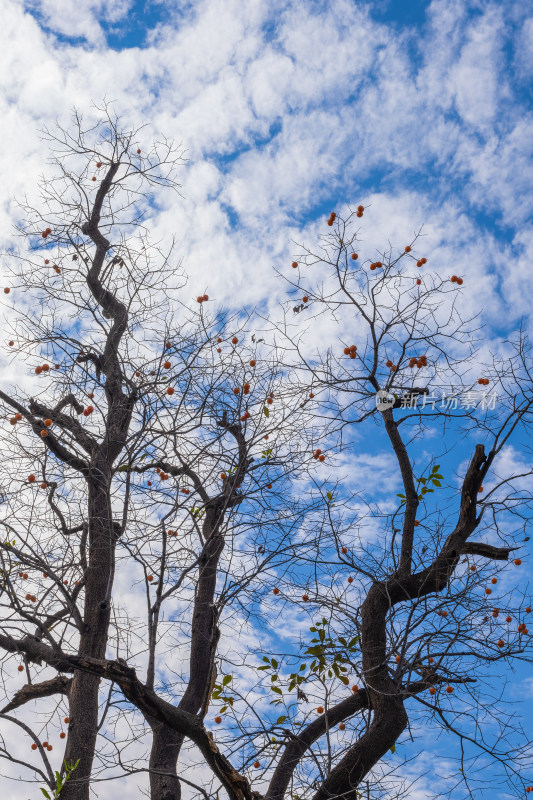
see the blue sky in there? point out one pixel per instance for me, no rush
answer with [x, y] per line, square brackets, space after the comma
[287, 109]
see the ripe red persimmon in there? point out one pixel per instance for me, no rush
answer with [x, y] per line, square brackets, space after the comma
[407, 248]
[294, 264]
[218, 720]
[167, 365]
[305, 299]
[275, 590]
[170, 390]
[344, 550]
[305, 598]
[432, 690]
[20, 668]
[355, 256]
[31, 478]
[234, 340]
[320, 710]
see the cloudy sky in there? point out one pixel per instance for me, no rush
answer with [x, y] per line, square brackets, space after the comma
[287, 110]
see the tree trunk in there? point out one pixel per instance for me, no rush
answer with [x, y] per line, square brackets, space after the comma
[166, 744]
[83, 699]
[204, 638]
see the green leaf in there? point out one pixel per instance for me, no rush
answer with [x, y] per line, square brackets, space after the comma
[274, 663]
[393, 748]
[266, 412]
[436, 483]
[276, 689]
[46, 794]
[329, 495]
[227, 679]
[280, 720]
[266, 659]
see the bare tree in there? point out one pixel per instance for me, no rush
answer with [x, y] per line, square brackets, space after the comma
[170, 469]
